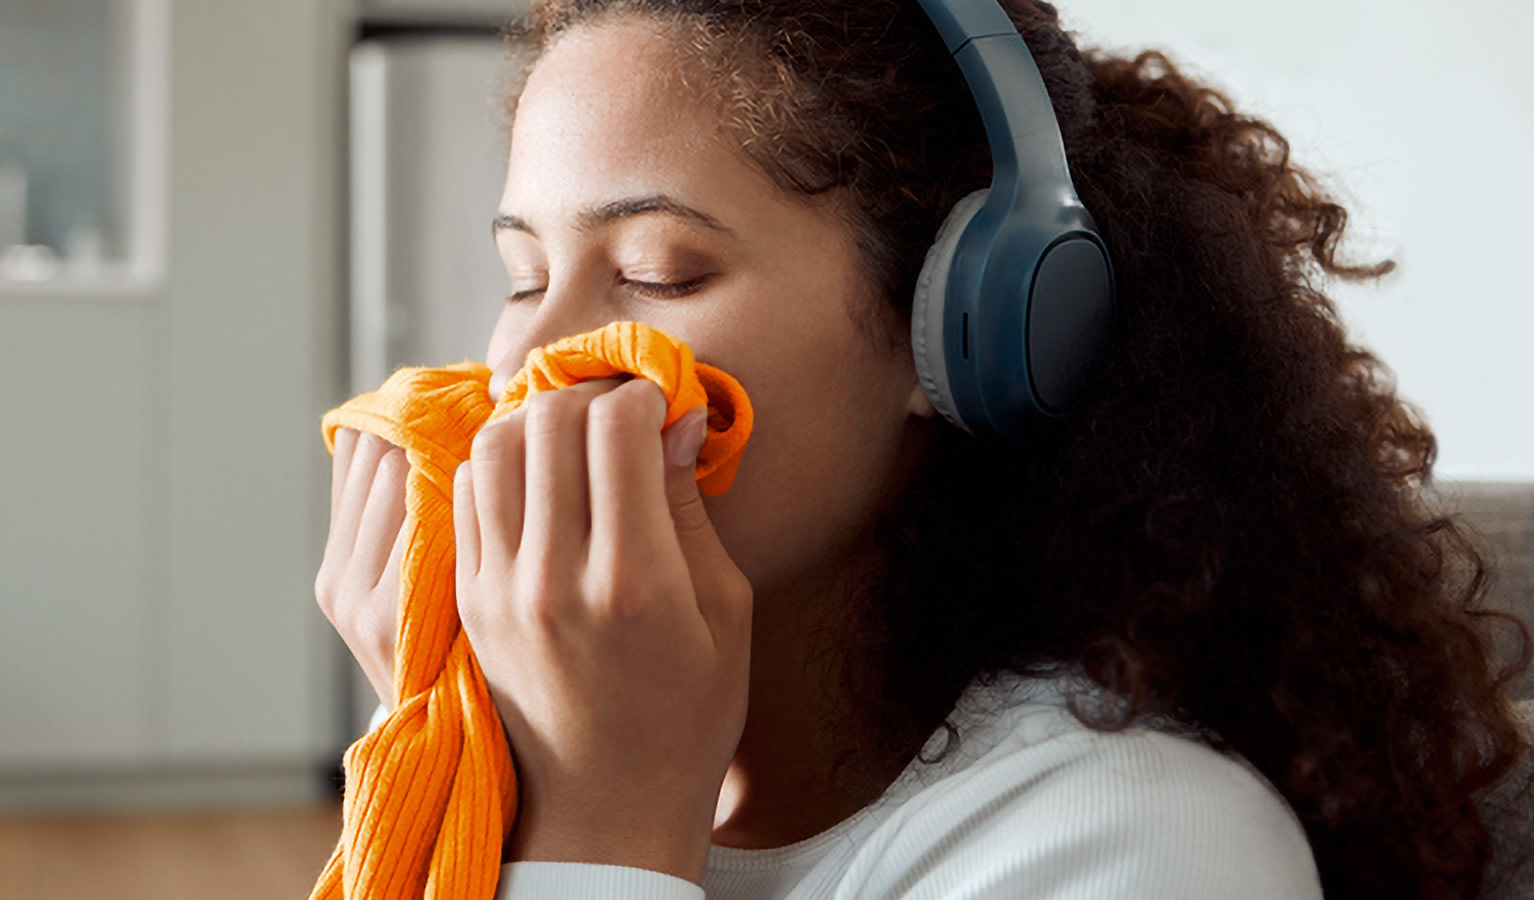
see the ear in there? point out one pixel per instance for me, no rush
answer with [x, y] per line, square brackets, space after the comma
[919, 405]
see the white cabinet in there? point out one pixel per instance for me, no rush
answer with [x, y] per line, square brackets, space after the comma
[82, 156]
[163, 488]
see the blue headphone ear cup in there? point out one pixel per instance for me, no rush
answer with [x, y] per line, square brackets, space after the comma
[927, 308]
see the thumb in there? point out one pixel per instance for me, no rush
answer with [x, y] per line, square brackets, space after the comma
[716, 581]
[681, 444]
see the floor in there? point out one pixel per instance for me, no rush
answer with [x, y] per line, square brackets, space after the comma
[246, 855]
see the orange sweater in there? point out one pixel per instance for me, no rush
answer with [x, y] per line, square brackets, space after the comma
[430, 793]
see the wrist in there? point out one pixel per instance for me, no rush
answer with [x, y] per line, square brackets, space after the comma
[670, 844]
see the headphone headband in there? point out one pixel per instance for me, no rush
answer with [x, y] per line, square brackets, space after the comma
[1009, 92]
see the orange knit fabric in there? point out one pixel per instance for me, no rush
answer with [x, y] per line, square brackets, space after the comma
[430, 793]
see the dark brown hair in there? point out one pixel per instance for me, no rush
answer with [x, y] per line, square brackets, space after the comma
[1234, 532]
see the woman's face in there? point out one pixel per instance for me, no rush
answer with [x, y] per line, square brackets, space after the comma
[626, 200]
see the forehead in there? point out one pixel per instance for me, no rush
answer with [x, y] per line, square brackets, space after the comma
[609, 111]
[622, 108]
[619, 75]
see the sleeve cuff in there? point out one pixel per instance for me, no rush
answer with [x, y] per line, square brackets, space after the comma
[589, 881]
[379, 715]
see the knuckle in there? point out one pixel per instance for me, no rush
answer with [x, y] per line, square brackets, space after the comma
[473, 615]
[622, 599]
[469, 612]
[372, 615]
[383, 645]
[354, 592]
[734, 592]
[484, 602]
[370, 447]
[649, 397]
[345, 448]
[689, 514]
[615, 414]
[375, 628]
[534, 580]
[539, 615]
[393, 463]
[355, 631]
[325, 591]
[342, 456]
[538, 599]
[495, 440]
[738, 590]
[550, 411]
[625, 610]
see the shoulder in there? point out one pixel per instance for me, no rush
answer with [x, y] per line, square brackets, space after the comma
[1053, 809]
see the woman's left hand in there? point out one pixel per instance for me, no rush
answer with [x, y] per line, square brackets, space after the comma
[613, 629]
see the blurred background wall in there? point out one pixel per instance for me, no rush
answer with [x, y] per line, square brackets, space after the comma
[160, 507]
[1420, 117]
[163, 491]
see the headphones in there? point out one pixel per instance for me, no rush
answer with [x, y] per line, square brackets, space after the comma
[1014, 305]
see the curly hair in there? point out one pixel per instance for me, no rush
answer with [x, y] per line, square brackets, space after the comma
[1233, 533]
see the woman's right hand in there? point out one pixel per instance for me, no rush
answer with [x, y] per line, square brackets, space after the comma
[358, 583]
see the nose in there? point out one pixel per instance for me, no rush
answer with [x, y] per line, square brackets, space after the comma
[557, 315]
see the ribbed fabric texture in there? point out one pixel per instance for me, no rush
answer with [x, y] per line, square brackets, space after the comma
[1029, 804]
[582, 882]
[430, 793]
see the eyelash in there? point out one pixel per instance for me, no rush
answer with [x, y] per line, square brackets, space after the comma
[656, 289]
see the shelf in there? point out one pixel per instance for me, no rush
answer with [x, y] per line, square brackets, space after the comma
[83, 124]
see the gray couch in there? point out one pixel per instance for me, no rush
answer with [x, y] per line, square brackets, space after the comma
[1503, 516]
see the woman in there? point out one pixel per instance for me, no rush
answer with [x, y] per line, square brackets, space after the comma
[1203, 637]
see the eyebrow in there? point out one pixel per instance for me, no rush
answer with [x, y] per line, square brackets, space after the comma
[595, 217]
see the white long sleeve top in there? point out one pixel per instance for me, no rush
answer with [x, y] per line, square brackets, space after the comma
[1031, 804]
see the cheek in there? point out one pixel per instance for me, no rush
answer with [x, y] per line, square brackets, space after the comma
[828, 428]
[801, 501]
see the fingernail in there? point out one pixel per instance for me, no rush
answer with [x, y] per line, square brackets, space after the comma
[690, 430]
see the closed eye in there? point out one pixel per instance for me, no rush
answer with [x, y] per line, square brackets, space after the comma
[663, 290]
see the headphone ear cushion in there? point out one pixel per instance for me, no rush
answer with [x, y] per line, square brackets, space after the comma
[927, 307]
